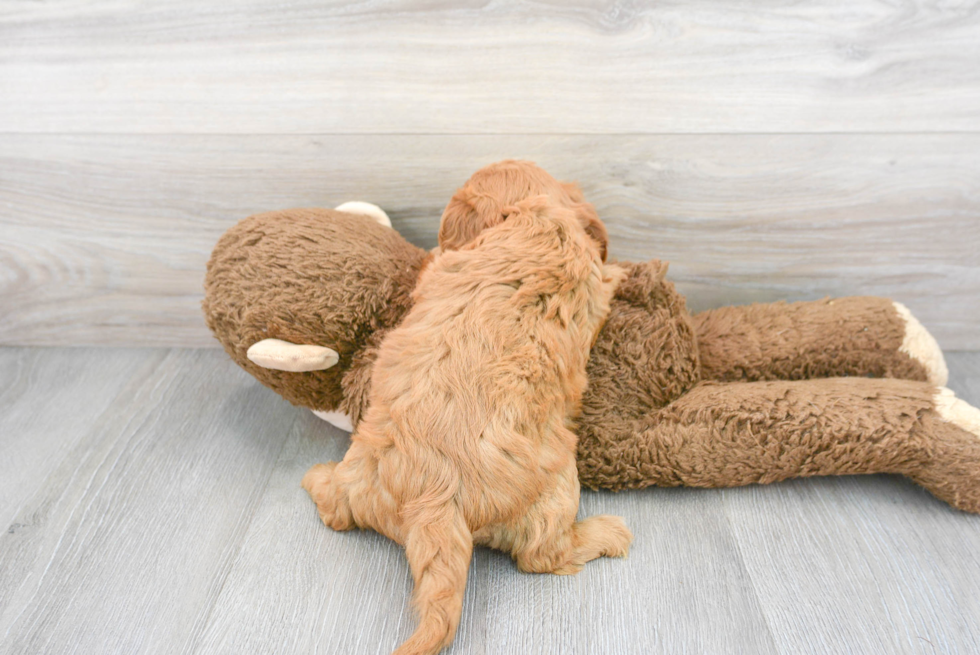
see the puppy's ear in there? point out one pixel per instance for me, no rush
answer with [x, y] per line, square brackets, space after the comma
[573, 191]
[595, 228]
[533, 206]
[466, 215]
[587, 216]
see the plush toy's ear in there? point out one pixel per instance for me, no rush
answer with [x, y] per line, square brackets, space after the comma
[284, 356]
[466, 215]
[593, 226]
[587, 215]
[574, 192]
[366, 208]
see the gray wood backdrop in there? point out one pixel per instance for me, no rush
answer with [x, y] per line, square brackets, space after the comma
[767, 149]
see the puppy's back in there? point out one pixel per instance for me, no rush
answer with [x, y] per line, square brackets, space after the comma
[498, 337]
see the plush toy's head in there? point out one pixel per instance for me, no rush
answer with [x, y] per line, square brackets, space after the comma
[302, 298]
[490, 194]
[296, 296]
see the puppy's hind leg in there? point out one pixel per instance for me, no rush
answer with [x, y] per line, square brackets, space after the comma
[595, 537]
[439, 547]
[330, 495]
[550, 540]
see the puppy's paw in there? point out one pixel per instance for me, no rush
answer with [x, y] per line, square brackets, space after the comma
[318, 477]
[609, 535]
[331, 502]
[596, 536]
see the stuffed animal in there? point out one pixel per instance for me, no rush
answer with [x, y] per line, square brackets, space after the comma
[302, 298]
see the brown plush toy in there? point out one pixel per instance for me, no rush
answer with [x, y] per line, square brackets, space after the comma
[734, 396]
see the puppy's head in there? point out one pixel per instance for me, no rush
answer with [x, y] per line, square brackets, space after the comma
[489, 195]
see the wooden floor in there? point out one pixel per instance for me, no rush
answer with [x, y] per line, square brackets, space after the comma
[150, 503]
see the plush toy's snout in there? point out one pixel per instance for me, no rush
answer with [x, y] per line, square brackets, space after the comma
[284, 356]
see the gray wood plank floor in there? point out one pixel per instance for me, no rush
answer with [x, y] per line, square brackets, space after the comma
[150, 503]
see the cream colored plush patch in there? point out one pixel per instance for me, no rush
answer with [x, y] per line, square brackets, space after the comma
[960, 413]
[336, 419]
[922, 347]
[284, 356]
[366, 208]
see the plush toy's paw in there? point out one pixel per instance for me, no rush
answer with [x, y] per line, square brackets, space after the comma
[958, 412]
[367, 209]
[336, 419]
[922, 347]
[952, 472]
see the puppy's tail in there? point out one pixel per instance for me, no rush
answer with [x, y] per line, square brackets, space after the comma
[439, 547]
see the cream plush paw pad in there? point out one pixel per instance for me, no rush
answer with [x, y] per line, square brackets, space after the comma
[922, 347]
[958, 412]
[367, 209]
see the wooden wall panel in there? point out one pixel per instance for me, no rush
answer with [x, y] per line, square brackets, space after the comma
[440, 66]
[104, 238]
[769, 150]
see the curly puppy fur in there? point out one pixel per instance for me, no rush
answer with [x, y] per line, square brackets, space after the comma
[467, 436]
[481, 202]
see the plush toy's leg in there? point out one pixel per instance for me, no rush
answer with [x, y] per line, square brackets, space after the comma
[725, 435]
[826, 338]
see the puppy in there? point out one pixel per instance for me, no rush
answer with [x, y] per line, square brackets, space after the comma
[479, 204]
[466, 440]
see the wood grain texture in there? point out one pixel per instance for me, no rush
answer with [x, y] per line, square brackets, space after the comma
[859, 565]
[822, 552]
[869, 564]
[404, 66]
[47, 404]
[356, 585]
[175, 523]
[105, 238]
[124, 544]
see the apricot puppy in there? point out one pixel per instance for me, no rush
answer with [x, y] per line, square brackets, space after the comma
[466, 440]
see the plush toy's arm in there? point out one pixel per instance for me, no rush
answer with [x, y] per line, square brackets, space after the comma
[726, 435]
[856, 336]
[646, 354]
